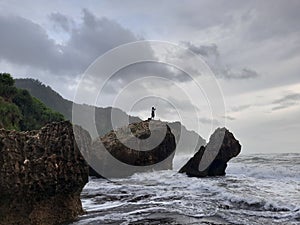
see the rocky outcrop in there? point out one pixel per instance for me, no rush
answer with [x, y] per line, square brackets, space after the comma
[139, 147]
[212, 159]
[42, 174]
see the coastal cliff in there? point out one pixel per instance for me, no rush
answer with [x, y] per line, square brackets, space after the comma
[42, 174]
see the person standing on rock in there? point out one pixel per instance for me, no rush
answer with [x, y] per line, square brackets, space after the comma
[153, 112]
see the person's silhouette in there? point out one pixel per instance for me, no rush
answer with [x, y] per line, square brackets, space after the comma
[153, 112]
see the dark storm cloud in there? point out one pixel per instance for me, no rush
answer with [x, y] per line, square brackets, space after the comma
[286, 101]
[96, 36]
[211, 55]
[24, 42]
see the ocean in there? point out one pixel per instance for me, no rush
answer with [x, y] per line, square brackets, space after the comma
[257, 189]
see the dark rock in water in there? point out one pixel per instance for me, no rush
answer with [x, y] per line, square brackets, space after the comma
[212, 159]
[139, 147]
[117, 142]
[42, 174]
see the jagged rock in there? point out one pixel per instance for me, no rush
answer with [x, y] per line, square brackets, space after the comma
[42, 174]
[212, 159]
[133, 149]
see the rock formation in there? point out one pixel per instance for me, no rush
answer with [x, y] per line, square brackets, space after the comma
[212, 159]
[42, 174]
[139, 147]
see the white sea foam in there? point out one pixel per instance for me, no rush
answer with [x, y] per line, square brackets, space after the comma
[256, 190]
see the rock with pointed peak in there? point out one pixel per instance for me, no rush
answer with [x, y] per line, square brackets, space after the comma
[212, 159]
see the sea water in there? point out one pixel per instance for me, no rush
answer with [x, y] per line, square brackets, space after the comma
[257, 189]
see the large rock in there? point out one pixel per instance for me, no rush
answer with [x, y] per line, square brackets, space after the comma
[42, 174]
[212, 159]
[139, 147]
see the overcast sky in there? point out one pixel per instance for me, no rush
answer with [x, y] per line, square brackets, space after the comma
[252, 47]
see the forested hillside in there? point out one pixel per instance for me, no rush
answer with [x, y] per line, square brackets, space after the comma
[21, 111]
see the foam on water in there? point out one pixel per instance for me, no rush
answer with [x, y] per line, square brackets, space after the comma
[281, 166]
[256, 190]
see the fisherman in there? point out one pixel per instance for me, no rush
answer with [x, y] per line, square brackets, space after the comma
[153, 112]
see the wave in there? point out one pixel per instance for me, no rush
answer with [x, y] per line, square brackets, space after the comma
[279, 166]
[258, 189]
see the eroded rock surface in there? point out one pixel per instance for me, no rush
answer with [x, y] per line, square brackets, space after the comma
[42, 174]
[134, 148]
[212, 159]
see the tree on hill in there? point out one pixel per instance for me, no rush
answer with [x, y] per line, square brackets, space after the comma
[10, 115]
[19, 110]
[6, 79]
[47, 95]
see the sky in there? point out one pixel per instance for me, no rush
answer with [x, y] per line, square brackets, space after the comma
[252, 48]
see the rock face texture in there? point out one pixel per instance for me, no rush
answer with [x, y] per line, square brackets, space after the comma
[212, 159]
[42, 174]
[139, 147]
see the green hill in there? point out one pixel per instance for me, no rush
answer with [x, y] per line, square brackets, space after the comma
[19, 110]
[47, 95]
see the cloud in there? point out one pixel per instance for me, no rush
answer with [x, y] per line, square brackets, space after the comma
[230, 118]
[211, 55]
[244, 73]
[240, 108]
[61, 21]
[141, 70]
[204, 50]
[271, 20]
[24, 42]
[168, 107]
[286, 101]
[205, 120]
[94, 37]
[27, 43]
